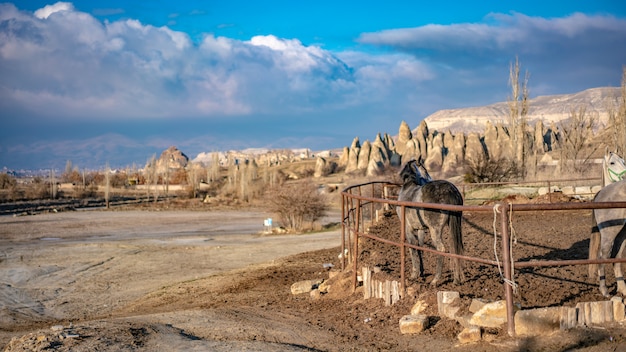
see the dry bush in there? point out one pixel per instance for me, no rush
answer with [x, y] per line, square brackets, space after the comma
[484, 170]
[38, 189]
[7, 181]
[296, 203]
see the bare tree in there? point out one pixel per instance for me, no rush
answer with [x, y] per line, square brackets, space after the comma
[53, 184]
[152, 176]
[518, 104]
[295, 203]
[214, 169]
[576, 132]
[617, 120]
[107, 184]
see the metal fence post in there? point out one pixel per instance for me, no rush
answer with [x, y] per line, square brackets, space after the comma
[402, 247]
[355, 254]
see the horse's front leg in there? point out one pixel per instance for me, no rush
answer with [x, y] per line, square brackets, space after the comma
[603, 290]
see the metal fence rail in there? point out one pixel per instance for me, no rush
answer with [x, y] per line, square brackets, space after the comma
[360, 204]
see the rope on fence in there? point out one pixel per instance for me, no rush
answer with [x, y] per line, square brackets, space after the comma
[496, 210]
[512, 240]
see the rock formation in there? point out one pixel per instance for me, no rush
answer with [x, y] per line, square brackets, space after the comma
[171, 159]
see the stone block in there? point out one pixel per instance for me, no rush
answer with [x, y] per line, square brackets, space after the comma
[469, 335]
[414, 324]
[540, 321]
[477, 304]
[304, 286]
[619, 310]
[419, 307]
[595, 313]
[569, 318]
[601, 312]
[491, 315]
[448, 303]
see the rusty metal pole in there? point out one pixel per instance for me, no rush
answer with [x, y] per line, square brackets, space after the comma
[372, 205]
[402, 248]
[343, 232]
[506, 263]
[355, 254]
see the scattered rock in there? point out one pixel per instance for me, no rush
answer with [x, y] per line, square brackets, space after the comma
[304, 286]
[413, 324]
[470, 335]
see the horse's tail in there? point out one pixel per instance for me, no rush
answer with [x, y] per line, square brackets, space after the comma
[594, 246]
[456, 235]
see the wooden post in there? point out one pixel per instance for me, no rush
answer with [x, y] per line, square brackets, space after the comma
[506, 263]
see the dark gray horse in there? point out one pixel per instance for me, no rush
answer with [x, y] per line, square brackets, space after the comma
[418, 186]
[611, 223]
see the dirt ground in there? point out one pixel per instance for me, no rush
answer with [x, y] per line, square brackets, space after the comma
[197, 281]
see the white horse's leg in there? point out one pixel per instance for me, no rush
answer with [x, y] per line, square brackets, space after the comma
[617, 269]
[605, 252]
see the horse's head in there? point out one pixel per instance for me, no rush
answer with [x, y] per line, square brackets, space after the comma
[423, 176]
[615, 167]
[414, 171]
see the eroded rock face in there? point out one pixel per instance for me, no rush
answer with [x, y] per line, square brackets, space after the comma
[364, 156]
[353, 156]
[171, 159]
[324, 167]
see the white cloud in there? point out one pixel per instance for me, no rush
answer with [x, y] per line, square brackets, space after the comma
[65, 64]
[73, 65]
[504, 32]
[48, 10]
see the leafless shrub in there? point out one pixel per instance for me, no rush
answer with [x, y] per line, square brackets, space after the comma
[576, 134]
[7, 181]
[38, 189]
[296, 203]
[617, 121]
[483, 169]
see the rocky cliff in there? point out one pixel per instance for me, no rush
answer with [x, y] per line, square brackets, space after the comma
[448, 138]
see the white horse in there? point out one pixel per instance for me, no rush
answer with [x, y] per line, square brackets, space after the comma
[611, 225]
[613, 169]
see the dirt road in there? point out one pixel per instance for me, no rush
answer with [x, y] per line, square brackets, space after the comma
[85, 265]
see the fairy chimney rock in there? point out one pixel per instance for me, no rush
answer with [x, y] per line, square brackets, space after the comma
[364, 155]
[353, 156]
[473, 148]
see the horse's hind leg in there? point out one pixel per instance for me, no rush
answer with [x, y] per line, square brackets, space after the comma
[617, 267]
[416, 256]
[605, 252]
[438, 242]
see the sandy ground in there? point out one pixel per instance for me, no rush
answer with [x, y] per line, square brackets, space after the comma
[60, 268]
[208, 281]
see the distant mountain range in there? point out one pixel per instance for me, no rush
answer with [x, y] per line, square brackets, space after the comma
[549, 108]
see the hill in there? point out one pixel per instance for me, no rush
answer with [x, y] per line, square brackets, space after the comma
[548, 109]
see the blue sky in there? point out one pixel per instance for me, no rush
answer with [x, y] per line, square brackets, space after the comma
[118, 81]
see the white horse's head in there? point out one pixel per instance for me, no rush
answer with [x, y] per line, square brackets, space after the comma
[614, 168]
